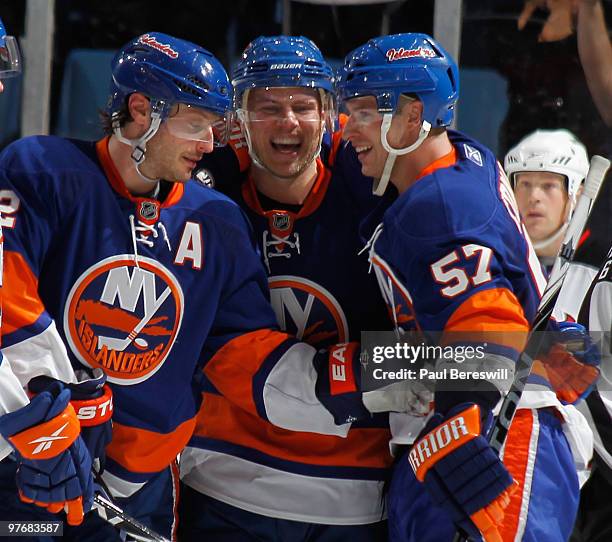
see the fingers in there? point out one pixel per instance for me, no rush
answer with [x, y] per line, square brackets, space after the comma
[490, 518]
[73, 507]
[74, 511]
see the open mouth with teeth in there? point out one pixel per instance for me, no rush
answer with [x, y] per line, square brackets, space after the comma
[362, 150]
[286, 145]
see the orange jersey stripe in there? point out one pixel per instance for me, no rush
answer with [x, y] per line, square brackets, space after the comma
[114, 177]
[232, 368]
[444, 161]
[140, 450]
[22, 305]
[516, 458]
[239, 145]
[363, 447]
[493, 315]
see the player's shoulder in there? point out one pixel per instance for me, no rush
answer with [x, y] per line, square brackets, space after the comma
[452, 201]
[50, 154]
[213, 206]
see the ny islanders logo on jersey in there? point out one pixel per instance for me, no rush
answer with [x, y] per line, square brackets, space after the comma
[397, 298]
[123, 317]
[307, 310]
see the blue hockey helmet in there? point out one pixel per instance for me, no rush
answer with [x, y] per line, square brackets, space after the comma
[10, 59]
[389, 66]
[281, 61]
[168, 71]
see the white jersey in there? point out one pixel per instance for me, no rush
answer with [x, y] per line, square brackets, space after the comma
[596, 314]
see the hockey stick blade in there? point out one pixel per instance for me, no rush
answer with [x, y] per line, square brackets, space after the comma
[594, 179]
[121, 521]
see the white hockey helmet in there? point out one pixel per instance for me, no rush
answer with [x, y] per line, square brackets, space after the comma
[557, 151]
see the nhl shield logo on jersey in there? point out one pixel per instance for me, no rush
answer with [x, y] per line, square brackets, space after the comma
[124, 318]
[281, 221]
[307, 310]
[148, 210]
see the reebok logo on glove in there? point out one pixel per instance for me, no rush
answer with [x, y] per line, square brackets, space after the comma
[445, 438]
[61, 430]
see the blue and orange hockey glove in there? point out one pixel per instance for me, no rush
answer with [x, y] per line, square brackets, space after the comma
[92, 400]
[54, 465]
[462, 473]
[571, 362]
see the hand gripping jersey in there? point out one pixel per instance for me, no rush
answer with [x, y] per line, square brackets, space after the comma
[322, 293]
[142, 290]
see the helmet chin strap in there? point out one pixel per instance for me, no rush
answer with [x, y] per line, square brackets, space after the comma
[139, 146]
[539, 245]
[380, 185]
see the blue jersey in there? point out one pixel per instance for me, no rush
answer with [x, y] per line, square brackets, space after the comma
[146, 290]
[321, 292]
[452, 255]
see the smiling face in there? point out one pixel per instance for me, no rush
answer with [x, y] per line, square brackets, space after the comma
[285, 127]
[171, 153]
[543, 202]
[363, 130]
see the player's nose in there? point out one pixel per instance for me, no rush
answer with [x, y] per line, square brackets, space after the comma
[205, 147]
[349, 128]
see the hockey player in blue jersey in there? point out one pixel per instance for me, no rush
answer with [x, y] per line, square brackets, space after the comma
[116, 265]
[243, 478]
[451, 250]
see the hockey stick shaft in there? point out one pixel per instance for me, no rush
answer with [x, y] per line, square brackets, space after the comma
[595, 177]
[121, 521]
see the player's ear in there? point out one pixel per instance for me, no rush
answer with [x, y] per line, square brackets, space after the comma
[139, 108]
[414, 112]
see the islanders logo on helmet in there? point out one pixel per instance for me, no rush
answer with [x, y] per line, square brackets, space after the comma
[10, 58]
[389, 66]
[281, 61]
[169, 70]
[124, 318]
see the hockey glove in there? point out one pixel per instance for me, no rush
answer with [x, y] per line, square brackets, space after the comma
[407, 396]
[339, 388]
[572, 362]
[54, 465]
[338, 381]
[462, 473]
[92, 400]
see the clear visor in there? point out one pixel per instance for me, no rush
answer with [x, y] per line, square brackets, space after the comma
[201, 125]
[10, 59]
[273, 105]
[364, 117]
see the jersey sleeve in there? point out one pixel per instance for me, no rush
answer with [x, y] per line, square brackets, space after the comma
[30, 339]
[248, 363]
[459, 283]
